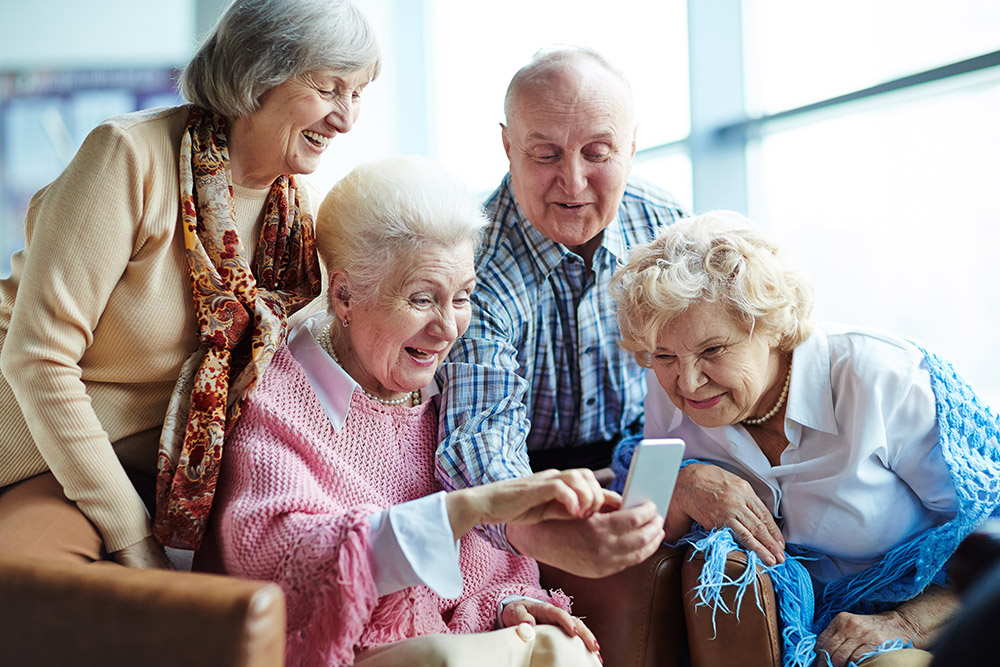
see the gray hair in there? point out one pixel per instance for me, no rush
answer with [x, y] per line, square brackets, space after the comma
[560, 57]
[259, 44]
[720, 257]
[374, 220]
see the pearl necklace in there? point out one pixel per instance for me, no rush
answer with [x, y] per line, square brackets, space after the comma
[326, 342]
[757, 421]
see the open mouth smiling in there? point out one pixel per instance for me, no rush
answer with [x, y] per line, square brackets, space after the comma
[316, 139]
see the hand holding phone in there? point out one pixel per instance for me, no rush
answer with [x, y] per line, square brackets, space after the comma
[653, 473]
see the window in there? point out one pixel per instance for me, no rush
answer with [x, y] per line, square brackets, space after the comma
[478, 46]
[888, 201]
[802, 52]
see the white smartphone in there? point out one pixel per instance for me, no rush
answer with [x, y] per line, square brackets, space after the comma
[653, 472]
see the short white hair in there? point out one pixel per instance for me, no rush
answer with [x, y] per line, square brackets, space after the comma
[259, 44]
[717, 257]
[377, 217]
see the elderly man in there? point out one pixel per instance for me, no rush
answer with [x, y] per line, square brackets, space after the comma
[539, 380]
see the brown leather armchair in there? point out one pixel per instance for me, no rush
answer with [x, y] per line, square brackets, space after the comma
[750, 640]
[82, 615]
[635, 614]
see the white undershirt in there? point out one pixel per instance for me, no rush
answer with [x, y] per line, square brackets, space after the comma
[862, 472]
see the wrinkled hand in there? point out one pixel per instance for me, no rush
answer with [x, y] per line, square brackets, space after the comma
[146, 554]
[536, 611]
[717, 498]
[597, 546]
[548, 495]
[850, 636]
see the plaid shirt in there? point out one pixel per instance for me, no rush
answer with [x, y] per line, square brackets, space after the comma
[540, 366]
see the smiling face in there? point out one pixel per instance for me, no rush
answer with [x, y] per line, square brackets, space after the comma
[397, 343]
[570, 143]
[294, 125]
[713, 370]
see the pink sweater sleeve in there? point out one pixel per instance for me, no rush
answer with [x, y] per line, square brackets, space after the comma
[492, 575]
[278, 523]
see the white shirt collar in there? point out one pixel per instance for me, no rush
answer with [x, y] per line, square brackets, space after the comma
[333, 386]
[810, 395]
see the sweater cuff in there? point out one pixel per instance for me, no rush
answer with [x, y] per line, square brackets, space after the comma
[122, 520]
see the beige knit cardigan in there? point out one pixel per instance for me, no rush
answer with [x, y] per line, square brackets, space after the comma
[97, 318]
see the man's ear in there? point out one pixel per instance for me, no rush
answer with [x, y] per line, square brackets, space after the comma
[506, 140]
[340, 295]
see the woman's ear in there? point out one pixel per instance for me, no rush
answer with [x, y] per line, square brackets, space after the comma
[340, 296]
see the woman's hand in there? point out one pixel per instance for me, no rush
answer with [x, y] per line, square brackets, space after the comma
[536, 611]
[552, 494]
[147, 554]
[717, 498]
[850, 636]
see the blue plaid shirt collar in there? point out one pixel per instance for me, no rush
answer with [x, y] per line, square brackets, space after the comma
[546, 254]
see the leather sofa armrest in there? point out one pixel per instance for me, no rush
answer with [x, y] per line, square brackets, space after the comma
[749, 638]
[104, 614]
[636, 614]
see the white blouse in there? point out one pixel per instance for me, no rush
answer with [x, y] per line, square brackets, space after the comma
[863, 470]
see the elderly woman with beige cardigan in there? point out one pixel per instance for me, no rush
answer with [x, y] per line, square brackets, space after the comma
[174, 245]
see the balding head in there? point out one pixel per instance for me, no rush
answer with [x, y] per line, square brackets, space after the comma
[578, 64]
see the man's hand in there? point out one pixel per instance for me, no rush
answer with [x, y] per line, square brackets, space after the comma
[716, 498]
[597, 546]
[146, 554]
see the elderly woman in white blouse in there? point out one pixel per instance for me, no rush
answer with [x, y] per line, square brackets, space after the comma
[821, 436]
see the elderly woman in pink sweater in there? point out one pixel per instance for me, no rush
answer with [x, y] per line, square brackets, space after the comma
[329, 485]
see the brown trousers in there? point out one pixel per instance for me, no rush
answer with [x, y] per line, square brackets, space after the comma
[38, 521]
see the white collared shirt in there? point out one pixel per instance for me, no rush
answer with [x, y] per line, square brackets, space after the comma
[862, 472]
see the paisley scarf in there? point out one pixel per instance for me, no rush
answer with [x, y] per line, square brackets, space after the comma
[241, 317]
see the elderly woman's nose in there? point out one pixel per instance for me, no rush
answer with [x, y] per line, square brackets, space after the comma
[445, 325]
[690, 377]
[342, 116]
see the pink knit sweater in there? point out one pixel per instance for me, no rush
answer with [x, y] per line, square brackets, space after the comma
[293, 505]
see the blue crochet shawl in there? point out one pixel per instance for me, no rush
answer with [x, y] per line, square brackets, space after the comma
[970, 441]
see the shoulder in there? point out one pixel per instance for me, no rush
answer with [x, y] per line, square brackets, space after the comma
[640, 193]
[868, 351]
[503, 242]
[647, 209]
[133, 146]
[153, 119]
[280, 413]
[144, 128]
[867, 361]
[504, 267]
[283, 384]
